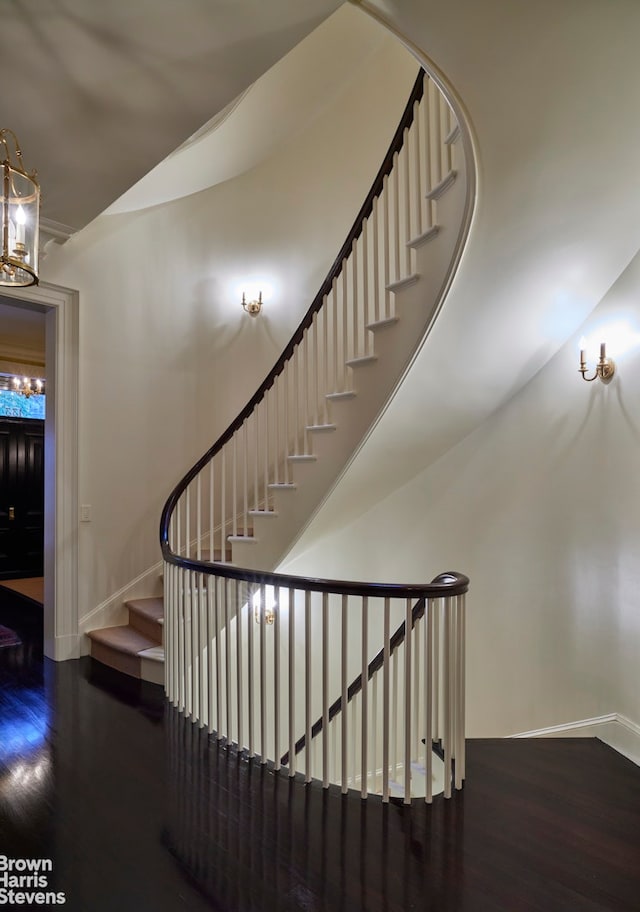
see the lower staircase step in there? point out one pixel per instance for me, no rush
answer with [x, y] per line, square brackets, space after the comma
[120, 648]
[152, 664]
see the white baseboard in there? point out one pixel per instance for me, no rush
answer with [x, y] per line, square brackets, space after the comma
[614, 729]
[65, 647]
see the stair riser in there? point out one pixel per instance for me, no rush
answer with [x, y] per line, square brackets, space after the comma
[152, 671]
[120, 661]
[146, 626]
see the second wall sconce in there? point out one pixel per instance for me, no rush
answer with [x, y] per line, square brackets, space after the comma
[254, 307]
[605, 368]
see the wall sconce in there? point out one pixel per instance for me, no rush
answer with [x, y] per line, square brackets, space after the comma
[269, 615]
[269, 611]
[19, 217]
[254, 307]
[605, 368]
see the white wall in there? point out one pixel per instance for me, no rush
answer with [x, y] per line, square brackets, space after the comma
[540, 506]
[167, 356]
[552, 93]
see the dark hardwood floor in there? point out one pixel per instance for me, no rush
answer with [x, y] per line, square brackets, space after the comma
[138, 810]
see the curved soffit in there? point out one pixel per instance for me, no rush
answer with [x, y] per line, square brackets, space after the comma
[282, 102]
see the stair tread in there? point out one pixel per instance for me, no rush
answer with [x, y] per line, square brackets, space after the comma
[403, 283]
[382, 324]
[365, 359]
[262, 513]
[282, 486]
[427, 235]
[152, 608]
[321, 427]
[302, 457]
[453, 135]
[123, 639]
[442, 186]
[345, 394]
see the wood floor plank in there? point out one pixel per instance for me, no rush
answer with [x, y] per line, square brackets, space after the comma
[30, 587]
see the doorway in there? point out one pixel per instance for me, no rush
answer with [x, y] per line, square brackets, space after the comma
[60, 309]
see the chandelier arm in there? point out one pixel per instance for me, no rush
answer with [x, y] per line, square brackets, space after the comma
[4, 132]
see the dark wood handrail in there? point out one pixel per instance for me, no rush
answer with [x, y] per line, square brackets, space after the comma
[374, 666]
[356, 230]
[449, 583]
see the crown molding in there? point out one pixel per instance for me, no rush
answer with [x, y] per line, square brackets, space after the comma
[52, 232]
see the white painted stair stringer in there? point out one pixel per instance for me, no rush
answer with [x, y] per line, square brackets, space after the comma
[416, 305]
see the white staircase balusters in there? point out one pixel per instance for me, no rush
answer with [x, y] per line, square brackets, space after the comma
[219, 674]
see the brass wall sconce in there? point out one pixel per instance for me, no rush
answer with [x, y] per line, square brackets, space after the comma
[254, 307]
[269, 615]
[605, 368]
[266, 612]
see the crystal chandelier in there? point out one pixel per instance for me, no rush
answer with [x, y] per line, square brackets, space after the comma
[27, 387]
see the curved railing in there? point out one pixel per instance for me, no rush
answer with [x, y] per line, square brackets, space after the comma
[257, 657]
[253, 655]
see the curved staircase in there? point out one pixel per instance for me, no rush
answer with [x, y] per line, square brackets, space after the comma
[263, 480]
[233, 517]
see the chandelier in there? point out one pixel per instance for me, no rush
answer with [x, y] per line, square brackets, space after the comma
[28, 387]
[19, 214]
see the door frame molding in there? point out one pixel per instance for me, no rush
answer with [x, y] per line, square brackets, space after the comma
[61, 308]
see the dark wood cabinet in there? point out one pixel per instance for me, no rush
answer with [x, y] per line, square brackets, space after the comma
[21, 497]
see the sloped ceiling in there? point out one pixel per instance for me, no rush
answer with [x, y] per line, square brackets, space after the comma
[285, 100]
[99, 93]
